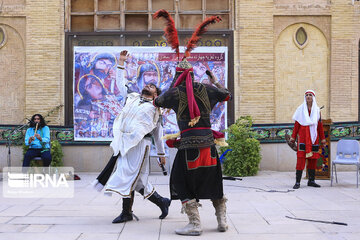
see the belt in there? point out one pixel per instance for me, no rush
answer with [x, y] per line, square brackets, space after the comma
[197, 128]
[314, 148]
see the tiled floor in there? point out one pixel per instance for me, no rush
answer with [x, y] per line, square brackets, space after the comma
[252, 213]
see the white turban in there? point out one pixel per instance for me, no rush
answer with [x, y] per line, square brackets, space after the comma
[302, 116]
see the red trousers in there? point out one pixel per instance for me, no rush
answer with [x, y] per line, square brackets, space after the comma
[311, 163]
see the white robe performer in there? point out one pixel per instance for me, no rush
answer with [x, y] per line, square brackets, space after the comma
[133, 128]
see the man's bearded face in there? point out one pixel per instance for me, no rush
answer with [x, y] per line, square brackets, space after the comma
[149, 90]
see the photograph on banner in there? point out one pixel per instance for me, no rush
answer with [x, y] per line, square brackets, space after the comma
[98, 101]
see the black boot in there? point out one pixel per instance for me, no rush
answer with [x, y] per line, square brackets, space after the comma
[298, 179]
[126, 214]
[311, 181]
[162, 203]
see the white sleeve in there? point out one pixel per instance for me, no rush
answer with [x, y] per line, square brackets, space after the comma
[121, 81]
[159, 143]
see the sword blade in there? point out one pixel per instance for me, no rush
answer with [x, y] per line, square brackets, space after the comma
[319, 221]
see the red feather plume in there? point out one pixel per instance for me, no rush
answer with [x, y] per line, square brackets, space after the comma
[201, 29]
[170, 30]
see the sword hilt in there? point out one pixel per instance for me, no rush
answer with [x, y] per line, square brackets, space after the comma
[162, 167]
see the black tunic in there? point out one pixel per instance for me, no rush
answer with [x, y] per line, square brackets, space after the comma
[196, 171]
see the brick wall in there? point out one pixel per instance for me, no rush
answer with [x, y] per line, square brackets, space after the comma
[32, 69]
[42, 71]
[345, 29]
[12, 62]
[300, 68]
[254, 61]
[12, 74]
[255, 37]
[45, 58]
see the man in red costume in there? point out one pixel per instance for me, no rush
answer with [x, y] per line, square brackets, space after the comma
[309, 131]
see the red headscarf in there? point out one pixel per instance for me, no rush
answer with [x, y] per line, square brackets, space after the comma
[193, 107]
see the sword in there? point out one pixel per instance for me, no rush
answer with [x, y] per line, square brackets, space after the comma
[319, 221]
[231, 178]
[162, 167]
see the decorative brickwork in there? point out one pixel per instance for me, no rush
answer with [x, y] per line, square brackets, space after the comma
[12, 74]
[36, 28]
[44, 57]
[295, 71]
[259, 24]
[31, 62]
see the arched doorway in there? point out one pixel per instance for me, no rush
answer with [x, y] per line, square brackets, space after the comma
[12, 77]
[301, 63]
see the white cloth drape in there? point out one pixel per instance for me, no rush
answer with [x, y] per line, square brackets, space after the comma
[134, 122]
[132, 171]
[301, 115]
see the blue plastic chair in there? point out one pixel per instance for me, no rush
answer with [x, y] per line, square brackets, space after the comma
[347, 153]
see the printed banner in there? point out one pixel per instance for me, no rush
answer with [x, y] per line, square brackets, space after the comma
[97, 100]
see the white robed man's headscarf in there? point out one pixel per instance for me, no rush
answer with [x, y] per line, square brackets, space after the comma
[302, 116]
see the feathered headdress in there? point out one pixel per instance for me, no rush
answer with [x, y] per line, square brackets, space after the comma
[171, 34]
[184, 68]
[200, 30]
[170, 30]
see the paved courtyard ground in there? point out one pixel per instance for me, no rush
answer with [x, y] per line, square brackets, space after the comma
[252, 213]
